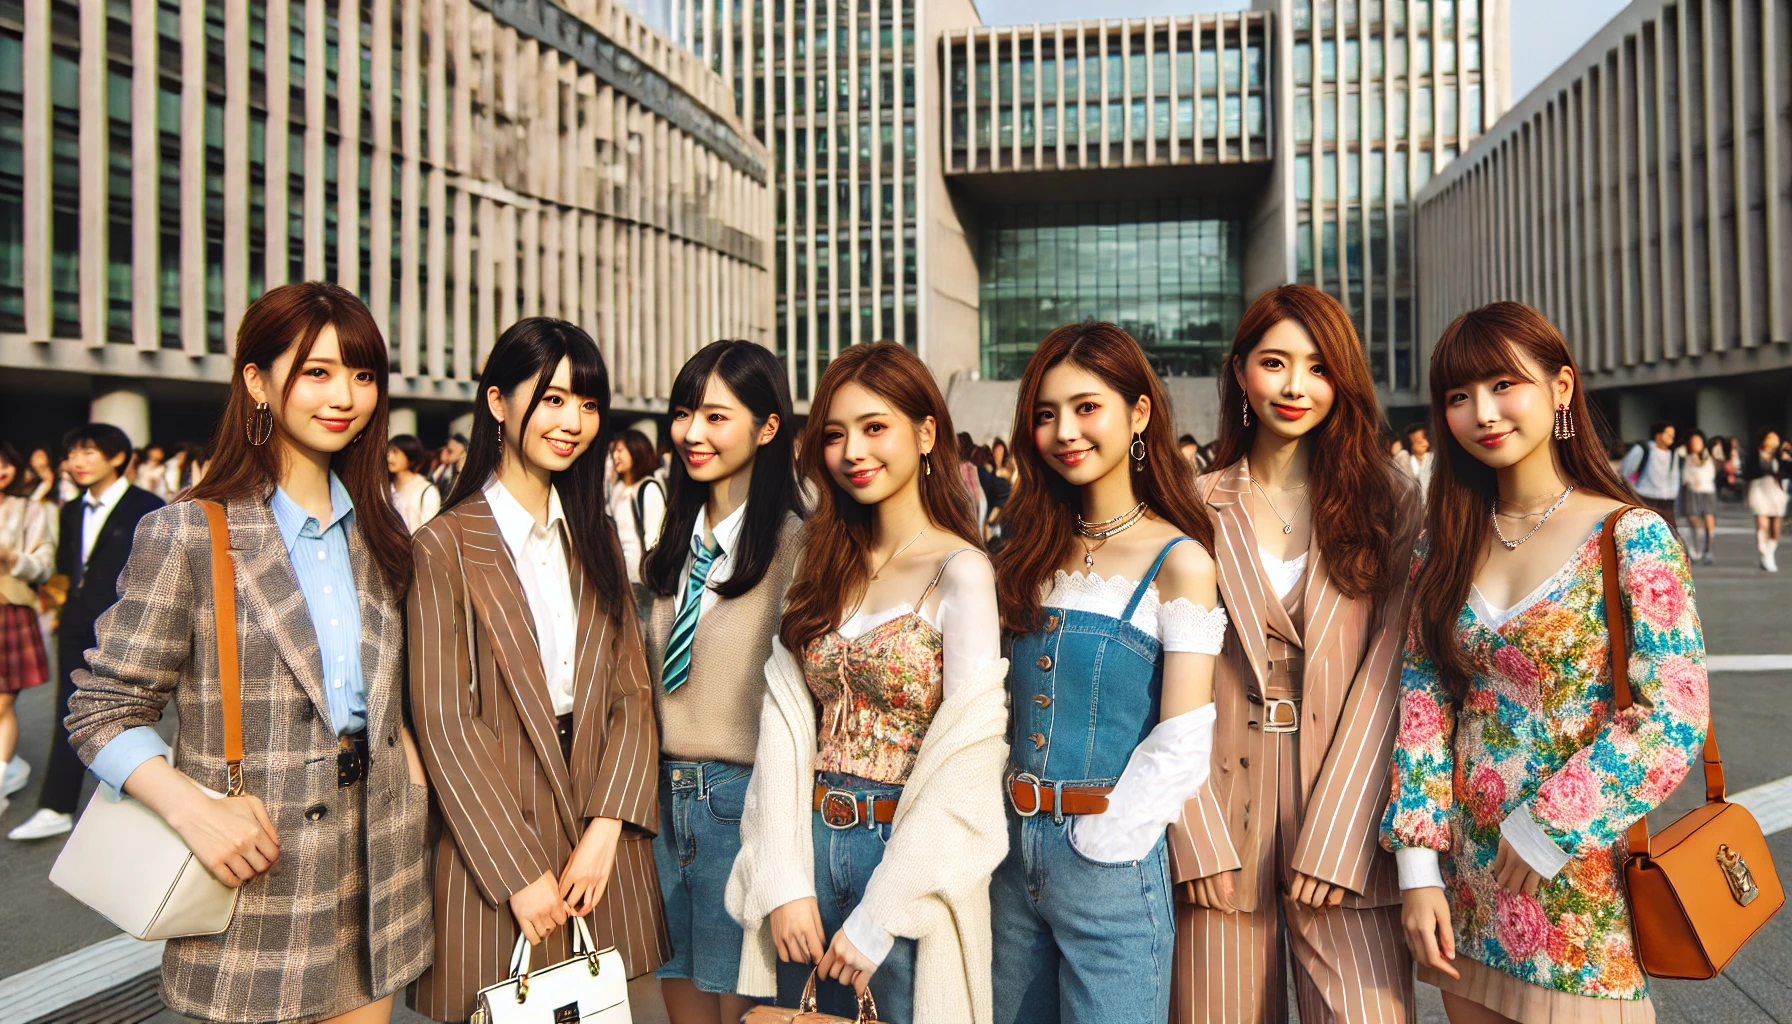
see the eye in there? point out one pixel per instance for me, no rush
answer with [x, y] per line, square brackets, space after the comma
[590, 405]
[874, 428]
[364, 377]
[553, 401]
[833, 437]
[681, 414]
[1043, 416]
[716, 417]
[1270, 363]
[1456, 398]
[1502, 385]
[1319, 368]
[317, 373]
[1085, 408]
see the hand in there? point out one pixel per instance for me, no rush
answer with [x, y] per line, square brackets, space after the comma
[844, 963]
[538, 908]
[587, 872]
[796, 931]
[232, 837]
[1314, 892]
[1215, 892]
[1513, 874]
[1425, 916]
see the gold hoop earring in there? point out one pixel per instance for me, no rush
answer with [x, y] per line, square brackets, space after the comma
[260, 425]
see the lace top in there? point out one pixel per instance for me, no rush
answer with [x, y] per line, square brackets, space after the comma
[1182, 625]
[1283, 575]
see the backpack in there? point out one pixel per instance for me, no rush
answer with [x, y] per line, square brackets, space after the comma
[638, 504]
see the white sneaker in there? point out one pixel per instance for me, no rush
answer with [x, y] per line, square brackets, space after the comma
[17, 771]
[43, 825]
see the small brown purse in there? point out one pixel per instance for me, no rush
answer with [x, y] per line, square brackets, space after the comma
[1700, 888]
[805, 1012]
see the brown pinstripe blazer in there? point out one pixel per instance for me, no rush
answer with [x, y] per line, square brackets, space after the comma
[278, 959]
[512, 807]
[1349, 712]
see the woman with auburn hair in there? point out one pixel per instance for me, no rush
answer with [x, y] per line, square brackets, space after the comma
[1512, 771]
[1117, 625]
[873, 819]
[1315, 530]
[333, 792]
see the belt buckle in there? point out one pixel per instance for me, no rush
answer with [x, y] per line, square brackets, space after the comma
[684, 778]
[1271, 705]
[1037, 784]
[349, 763]
[834, 819]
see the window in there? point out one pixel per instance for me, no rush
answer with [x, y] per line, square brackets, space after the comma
[1353, 125]
[1373, 104]
[1328, 60]
[1351, 62]
[1397, 114]
[1328, 117]
[1303, 117]
[1446, 117]
[1303, 177]
[1328, 177]
[1303, 63]
[1421, 114]
[1471, 99]
[1397, 46]
[1446, 55]
[1376, 166]
[1375, 57]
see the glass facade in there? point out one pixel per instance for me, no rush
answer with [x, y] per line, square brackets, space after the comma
[1170, 272]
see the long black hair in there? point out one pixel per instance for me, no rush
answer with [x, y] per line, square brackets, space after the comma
[756, 377]
[530, 351]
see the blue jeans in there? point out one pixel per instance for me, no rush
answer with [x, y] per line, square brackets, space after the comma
[700, 808]
[844, 860]
[1077, 940]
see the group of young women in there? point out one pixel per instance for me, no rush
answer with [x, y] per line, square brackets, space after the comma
[1180, 731]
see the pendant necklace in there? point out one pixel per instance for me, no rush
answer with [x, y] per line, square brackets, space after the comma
[1100, 532]
[1287, 524]
[1493, 512]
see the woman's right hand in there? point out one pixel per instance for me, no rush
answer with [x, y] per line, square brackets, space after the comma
[796, 931]
[1425, 916]
[538, 908]
[233, 837]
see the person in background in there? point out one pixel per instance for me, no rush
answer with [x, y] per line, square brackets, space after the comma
[1698, 497]
[151, 473]
[1190, 450]
[972, 481]
[93, 545]
[43, 478]
[638, 504]
[1415, 461]
[454, 456]
[1768, 468]
[1396, 447]
[996, 488]
[412, 493]
[1653, 468]
[27, 558]
[1735, 458]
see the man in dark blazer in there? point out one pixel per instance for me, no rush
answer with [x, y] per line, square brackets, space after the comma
[95, 543]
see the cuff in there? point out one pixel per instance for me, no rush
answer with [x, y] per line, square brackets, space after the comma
[126, 752]
[1532, 844]
[1418, 868]
[867, 936]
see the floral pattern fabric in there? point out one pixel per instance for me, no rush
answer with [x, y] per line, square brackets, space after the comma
[1538, 729]
[876, 694]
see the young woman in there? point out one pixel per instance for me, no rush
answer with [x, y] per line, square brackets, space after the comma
[1698, 496]
[873, 818]
[327, 842]
[416, 499]
[1109, 584]
[27, 557]
[1767, 470]
[532, 703]
[718, 578]
[1315, 531]
[638, 504]
[1514, 780]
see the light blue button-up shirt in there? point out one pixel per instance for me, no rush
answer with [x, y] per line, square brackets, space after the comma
[320, 561]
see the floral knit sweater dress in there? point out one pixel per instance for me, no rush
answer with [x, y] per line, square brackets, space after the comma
[1538, 734]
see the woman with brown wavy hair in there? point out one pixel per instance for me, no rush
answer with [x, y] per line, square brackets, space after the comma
[1315, 527]
[1118, 626]
[873, 819]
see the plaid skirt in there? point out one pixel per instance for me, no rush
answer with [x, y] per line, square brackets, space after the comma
[23, 661]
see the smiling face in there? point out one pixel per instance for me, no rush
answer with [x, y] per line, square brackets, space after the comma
[1420, 442]
[1506, 417]
[562, 426]
[1082, 427]
[621, 460]
[719, 438]
[870, 449]
[328, 403]
[1285, 381]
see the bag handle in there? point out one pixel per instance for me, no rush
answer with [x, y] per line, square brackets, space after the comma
[1620, 654]
[867, 1005]
[230, 679]
[582, 945]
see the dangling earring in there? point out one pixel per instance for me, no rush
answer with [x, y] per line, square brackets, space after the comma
[1564, 423]
[260, 426]
[927, 463]
[1137, 451]
[1247, 414]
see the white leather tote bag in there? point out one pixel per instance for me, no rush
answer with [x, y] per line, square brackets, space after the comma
[591, 988]
[123, 860]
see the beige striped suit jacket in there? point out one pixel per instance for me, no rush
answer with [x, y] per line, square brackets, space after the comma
[1349, 711]
[511, 806]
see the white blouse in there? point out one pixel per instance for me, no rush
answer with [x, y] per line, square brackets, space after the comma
[1283, 575]
[1182, 625]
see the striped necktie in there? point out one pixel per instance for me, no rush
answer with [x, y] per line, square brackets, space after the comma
[684, 628]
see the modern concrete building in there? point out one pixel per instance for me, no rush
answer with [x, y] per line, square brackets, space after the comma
[477, 162]
[1642, 198]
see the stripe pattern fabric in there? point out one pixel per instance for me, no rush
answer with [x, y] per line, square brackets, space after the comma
[677, 669]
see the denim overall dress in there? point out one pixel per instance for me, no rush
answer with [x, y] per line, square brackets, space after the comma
[1076, 939]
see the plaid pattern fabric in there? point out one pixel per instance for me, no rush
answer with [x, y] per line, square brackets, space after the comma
[23, 661]
[684, 627]
[283, 956]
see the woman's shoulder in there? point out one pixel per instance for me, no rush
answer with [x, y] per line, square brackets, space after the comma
[1187, 566]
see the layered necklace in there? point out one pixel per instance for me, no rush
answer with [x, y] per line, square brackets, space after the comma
[1493, 512]
[1100, 532]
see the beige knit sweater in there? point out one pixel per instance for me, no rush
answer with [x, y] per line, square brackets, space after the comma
[953, 802]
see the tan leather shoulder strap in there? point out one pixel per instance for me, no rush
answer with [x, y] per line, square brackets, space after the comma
[230, 678]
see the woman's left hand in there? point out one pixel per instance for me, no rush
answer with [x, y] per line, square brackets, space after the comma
[1315, 892]
[1512, 873]
[844, 963]
[587, 872]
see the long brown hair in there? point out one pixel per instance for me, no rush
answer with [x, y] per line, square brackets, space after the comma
[1041, 513]
[1483, 343]
[1357, 500]
[832, 573]
[289, 318]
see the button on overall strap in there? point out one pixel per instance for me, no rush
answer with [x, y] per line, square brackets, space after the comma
[1138, 593]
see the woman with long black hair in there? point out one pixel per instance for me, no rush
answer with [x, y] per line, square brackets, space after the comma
[532, 703]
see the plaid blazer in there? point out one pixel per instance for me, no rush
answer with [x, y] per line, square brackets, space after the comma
[279, 958]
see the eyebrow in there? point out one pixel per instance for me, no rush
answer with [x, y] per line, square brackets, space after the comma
[1073, 398]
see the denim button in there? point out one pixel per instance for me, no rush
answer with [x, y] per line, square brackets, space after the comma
[1051, 623]
[1038, 741]
[1042, 700]
[1045, 663]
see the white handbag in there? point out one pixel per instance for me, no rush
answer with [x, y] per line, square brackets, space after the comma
[591, 988]
[123, 859]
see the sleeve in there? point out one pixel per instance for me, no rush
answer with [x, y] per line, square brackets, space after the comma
[968, 619]
[429, 503]
[501, 851]
[627, 783]
[37, 555]
[1642, 752]
[622, 509]
[1188, 628]
[1422, 766]
[1633, 462]
[126, 753]
[653, 513]
[1162, 773]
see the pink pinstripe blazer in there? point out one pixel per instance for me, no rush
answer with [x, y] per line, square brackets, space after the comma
[1349, 713]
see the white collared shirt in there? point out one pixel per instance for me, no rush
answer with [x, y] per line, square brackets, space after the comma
[539, 551]
[726, 534]
[94, 511]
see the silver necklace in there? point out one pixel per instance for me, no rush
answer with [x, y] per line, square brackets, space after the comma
[899, 551]
[1493, 513]
[1100, 532]
[1287, 524]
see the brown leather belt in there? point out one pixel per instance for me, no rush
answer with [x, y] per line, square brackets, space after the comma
[843, 809]
[1029, 795]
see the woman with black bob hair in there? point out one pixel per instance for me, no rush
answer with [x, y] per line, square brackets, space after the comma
[719, 573]
[532, 703]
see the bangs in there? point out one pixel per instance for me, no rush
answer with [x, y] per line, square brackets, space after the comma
[357, 339]
[1473, 351]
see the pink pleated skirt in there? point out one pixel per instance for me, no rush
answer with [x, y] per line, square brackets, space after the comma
[1519, 1000]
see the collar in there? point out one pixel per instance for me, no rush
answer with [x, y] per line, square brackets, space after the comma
[516, 523]
[109, 497]
[725, 532]
[292, 519]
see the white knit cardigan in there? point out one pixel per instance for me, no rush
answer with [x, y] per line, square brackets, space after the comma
[952, 801]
